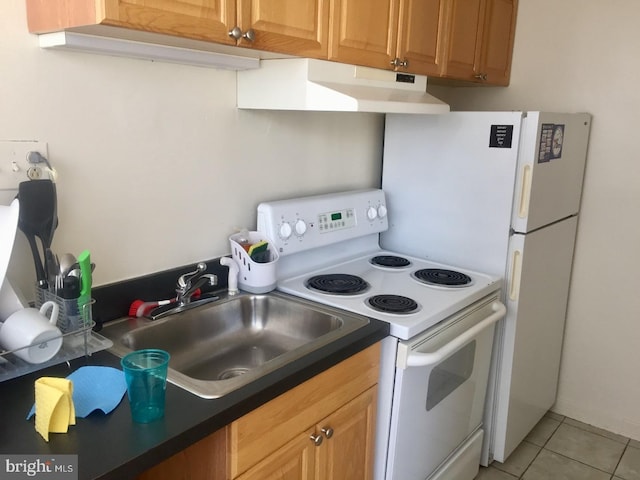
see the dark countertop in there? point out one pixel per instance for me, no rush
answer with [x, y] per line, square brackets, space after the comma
[113, 447]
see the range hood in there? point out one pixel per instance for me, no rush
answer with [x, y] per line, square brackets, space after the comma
[320, 85]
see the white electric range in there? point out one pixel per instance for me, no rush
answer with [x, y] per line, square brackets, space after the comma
[435, 364]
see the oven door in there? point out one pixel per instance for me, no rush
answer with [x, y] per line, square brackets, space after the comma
[439, 393]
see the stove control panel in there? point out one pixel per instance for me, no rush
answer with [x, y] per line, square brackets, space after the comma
[331, 221]
[300, 224]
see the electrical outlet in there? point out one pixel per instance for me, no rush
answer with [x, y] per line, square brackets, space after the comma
[14, 166]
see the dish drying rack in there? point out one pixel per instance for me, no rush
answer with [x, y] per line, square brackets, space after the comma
[78, 338]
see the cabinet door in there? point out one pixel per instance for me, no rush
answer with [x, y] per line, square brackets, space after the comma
[348, 452]
[498, 33]
[420, 36]
[463, 37]
[297, 27]
[364, 32]
[198, 19]
[294, 461]
[204, 460]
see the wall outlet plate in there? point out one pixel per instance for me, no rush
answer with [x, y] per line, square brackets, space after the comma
[14, 166]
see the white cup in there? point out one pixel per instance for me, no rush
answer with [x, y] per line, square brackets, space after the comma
[31, 335]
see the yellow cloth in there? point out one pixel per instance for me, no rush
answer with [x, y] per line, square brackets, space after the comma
[54, 406]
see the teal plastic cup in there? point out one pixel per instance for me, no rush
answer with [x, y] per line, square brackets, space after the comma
[145, 372]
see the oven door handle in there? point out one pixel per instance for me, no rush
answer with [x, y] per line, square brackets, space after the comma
[417, 359]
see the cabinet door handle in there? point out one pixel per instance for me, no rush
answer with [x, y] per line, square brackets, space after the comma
[481, 76]
[396, 62]
[328, 432]
[316, 439]
[236, 33]
[249, 35]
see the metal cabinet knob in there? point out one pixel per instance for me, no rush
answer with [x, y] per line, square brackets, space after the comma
[236, 33]
[249, 35]
[316, 439]
[481, 76]
[396, 62]
[328, 432]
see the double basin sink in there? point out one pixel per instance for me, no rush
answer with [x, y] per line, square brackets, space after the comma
[220, 346]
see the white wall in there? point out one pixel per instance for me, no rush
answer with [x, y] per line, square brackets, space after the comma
[156, 165]
[582, 55]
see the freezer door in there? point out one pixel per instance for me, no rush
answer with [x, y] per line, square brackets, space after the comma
[538, 277]
[449, 181]
[551, 162]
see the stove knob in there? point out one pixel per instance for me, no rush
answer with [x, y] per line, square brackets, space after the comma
[285, 231]
[301, 227]
[372, 213]
[382, 211]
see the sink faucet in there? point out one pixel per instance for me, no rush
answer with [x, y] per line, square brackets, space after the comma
[187, 285]
[190, 282]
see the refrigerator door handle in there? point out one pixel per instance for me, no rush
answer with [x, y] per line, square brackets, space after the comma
[516, 273]
[418, 359]
[525, 191]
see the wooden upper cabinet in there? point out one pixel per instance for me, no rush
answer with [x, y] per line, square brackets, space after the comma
[462, 37]
[401, 35]
[207, 20]
[298, 27]
[469, 40]
[364, 32]
[421, 36]
[480, 40]
[197, 19]
[498, 34]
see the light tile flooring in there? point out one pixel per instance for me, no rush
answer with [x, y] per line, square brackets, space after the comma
[560, 448]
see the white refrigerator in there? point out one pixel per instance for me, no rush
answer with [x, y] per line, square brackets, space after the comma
[497, 192]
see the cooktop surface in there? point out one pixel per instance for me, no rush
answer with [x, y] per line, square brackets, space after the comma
[411, 294]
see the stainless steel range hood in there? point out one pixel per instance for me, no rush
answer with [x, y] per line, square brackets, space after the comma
[319, 85]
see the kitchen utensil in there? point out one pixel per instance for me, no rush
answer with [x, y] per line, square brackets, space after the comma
[70, 287]
[84, 260]
[84, 300]
[38, 218]
[31, 335]
[145, 372]
[52, 268]
[68, 262]
[8, 224]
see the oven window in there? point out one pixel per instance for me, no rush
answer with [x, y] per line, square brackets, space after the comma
[450, 374]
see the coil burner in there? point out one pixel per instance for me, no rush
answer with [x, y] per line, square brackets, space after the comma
[442, 277]
[389, 261]
[337, 284]
[392, 304]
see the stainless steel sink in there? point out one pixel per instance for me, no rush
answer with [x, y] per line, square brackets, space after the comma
[221, 346]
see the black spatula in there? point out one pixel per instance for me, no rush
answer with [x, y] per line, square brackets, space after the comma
[38, 207]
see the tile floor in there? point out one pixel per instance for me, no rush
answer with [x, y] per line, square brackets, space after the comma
[560, 448]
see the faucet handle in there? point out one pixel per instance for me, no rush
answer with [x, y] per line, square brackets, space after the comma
[184, 281]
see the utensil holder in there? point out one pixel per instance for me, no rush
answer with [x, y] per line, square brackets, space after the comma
[74, 314]
[254, 277]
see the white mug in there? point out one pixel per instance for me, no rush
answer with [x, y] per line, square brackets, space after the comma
[31, 335]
